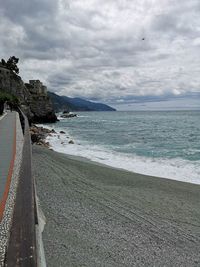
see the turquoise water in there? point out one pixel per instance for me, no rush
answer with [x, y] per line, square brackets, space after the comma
[168, 139]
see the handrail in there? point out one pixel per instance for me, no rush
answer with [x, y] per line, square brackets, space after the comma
[21, 250]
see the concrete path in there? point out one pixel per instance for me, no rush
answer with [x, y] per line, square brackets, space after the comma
[7, 156]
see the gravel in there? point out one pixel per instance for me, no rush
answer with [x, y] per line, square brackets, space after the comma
[101, 216]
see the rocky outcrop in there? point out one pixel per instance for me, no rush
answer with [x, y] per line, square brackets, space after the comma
[40, 103]
[33, 97]
[39, 134]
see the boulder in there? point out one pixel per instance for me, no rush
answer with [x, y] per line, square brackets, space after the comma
[39, 134]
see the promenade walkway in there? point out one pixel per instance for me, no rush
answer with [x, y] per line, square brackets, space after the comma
[7, 156]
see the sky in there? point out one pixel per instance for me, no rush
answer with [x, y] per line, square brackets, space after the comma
[131, 54]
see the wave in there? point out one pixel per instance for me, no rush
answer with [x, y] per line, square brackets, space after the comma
[175, 169]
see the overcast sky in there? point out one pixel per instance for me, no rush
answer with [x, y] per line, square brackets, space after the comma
[119, 52]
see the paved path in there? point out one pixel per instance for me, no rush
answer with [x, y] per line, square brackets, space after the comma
[7, 156]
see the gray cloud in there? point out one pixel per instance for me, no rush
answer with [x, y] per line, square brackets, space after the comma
[108, 50]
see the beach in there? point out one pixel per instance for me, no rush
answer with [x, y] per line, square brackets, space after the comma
[102, 216]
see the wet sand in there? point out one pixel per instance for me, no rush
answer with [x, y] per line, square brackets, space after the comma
[101, 216]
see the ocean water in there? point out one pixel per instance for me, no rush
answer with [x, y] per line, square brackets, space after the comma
[161, 143]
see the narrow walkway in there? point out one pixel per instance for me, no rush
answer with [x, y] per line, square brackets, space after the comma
[7, 156]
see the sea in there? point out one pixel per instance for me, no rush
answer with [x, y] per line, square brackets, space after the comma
[156, 143]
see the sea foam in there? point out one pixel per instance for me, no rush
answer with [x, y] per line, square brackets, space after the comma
[175, 169]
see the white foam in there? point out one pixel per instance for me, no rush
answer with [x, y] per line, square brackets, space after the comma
[60, 118]
[82, 116]
[175, 169]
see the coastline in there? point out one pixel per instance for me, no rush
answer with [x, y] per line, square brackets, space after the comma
[177, 168]
[102, 216]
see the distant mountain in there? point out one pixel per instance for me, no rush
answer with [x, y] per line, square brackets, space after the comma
[61, 103]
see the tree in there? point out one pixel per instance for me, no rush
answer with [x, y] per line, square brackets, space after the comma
[3, 62]
[9, 98]
[11, 64]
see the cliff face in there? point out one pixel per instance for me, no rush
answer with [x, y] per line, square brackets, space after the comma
[13, 84]
[40, 103]
[33, 97]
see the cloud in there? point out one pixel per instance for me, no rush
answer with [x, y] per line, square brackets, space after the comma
[107, 50]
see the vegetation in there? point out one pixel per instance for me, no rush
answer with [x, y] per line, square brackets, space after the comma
[11, 64]
[10, 99]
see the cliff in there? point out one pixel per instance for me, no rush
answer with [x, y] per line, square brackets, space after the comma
[40, 103]
[32, 96]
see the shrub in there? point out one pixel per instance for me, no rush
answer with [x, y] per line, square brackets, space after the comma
[11, 99]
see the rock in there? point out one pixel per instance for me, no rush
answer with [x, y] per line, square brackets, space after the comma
[40, 117]
[35, 138]
[40, 103]
[39, 134]
[46, 145]
[44, 130]
[39, 143]
[34, 129]
[43, 143]
[68, 115]
[62, 132]
[71, 142]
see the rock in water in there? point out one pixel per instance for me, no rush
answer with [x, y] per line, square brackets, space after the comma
[68, 115]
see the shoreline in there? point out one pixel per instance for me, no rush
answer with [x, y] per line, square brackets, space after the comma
[100, 164]
[102, 216]
[173, 169]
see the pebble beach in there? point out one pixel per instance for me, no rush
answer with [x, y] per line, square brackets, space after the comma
[102, 216]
